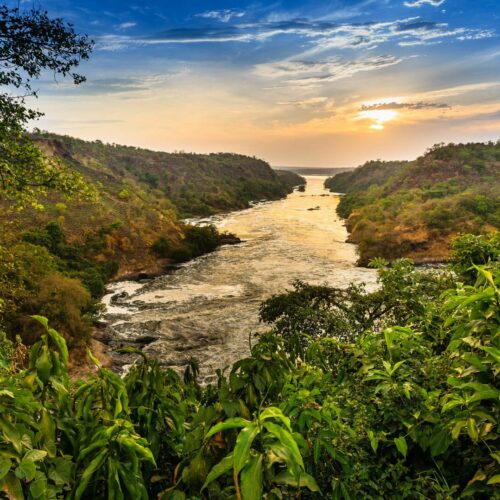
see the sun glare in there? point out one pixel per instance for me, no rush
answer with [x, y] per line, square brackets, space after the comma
[378, 117]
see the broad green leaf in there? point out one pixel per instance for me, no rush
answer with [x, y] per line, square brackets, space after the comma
[373, 440]
[494, 480]
[251, 479]
[244, 442]
[457, 428]
[61, 474]
[287, 440]
[225, 465]
[42, 320]
[11, 434]
[472, 429]
[273, 412]
[5, 466]
[401, 445]
[35, 455]
[440, 442]
[303, 481]
[26, 470]
[230, 423]
[492, 351]
[38, 488]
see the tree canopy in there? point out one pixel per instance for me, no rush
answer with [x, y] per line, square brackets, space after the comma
[32, 43]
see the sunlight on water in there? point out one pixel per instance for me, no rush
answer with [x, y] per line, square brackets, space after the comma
[208, 307]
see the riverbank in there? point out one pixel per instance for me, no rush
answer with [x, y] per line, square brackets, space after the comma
[208, 308]
[415, 209]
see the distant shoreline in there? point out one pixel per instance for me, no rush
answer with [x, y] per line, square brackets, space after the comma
[328, 171]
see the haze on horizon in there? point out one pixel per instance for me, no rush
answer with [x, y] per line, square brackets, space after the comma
[312, 83]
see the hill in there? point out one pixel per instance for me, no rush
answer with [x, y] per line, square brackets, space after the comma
[58, 260]
[370, 174]
[196, 184]
[143, 195]
[414, 209]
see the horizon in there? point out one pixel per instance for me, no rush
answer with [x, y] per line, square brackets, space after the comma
[295, 83]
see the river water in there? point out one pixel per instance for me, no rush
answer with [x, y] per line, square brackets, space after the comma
[207, 308]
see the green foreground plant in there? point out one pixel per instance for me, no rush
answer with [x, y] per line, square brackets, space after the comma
[381, 411]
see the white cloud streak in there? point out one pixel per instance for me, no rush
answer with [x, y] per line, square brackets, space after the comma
[420, 3]
[314, 73]
[224, 16]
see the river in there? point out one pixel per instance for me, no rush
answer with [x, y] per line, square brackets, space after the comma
[207, 308]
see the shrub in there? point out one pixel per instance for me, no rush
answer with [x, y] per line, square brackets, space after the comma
[64, 300]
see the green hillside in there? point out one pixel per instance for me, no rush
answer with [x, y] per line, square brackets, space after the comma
[57, 260]
[372, 173]
[416, 210]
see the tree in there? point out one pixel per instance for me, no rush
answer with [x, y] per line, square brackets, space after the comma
[31, 43]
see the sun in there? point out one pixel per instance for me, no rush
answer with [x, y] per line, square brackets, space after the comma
[378, 117]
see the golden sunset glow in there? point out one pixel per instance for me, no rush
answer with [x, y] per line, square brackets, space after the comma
[292, 93]
[378, 117]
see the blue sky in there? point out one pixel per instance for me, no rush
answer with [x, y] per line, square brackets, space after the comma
[327, 83]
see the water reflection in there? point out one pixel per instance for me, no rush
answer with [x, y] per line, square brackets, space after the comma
[208, 307]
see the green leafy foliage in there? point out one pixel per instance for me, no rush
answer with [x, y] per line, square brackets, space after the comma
[415, 209]
[31, 43]
[385, 411]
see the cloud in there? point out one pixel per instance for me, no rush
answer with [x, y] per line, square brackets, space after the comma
[138, 86]
[126, 26]
[404, 105]
[419, 3]
[319, 36]
[311, 102]
[313, 73]
[224, 16]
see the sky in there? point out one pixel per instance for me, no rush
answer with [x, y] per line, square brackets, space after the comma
[297, 83]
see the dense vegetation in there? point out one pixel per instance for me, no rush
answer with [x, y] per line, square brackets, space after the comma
[415, 209]
[352, 394]
[30, 43]
[372, 173]
[195, 184]
[57, 260]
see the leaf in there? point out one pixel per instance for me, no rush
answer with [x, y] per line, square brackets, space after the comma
[38, 488]
[304, 480]
[492, 351]
[457, 428]
[42, 320]
[225, 465]
[373, 440]
[11, 434]
[35, 455]
[26, 470]
[472, 429]
[244, 442]
[494, 480]
[5, 466]
[92, 358]
[287, 440]
[12, 487]
[94, 465]
[440, 442]
[251, 479]
[230, 423]
[62, 472]
[401, 445]
[273, 412]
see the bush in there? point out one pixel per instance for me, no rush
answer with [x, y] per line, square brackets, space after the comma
[162, 247]
[64, 300]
